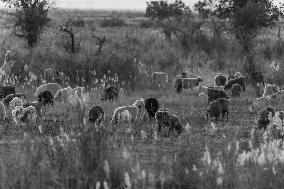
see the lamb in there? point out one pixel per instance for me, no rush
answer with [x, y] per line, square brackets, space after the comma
[96, 115]
[160, 78]
[220, 79]
[10, 97]
[37, 105]
[151, 106]
[240, 81]
[263, 119]
[236, 90]
[45, 98]
[166, 119]
[218, 107]
[23, 115]
[51, 87]
[214, 94]
[124, 114]
[6, 90]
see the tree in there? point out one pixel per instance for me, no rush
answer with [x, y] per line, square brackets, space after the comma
[28, 18]
[175, 18]
[245, 19]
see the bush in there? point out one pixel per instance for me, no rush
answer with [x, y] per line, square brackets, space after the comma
[112, 22]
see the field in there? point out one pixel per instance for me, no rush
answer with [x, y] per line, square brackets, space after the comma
[72, 153]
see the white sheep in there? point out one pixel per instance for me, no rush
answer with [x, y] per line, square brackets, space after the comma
[23, 115]
[15, 102]
[259, 103]
[62, 94]
[203, 99]
[52, 87]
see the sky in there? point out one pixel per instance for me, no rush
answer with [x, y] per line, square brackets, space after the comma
[108, 4]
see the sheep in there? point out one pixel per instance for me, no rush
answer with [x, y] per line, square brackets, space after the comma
[124, 114]
[6, 90]
[259, 103]
[218, 107]
[62, 94]
[220, 79]
[110, 93]
[151, 106]
[10, 97]
[52, 87]
[178, 84]
[5, 69]
[236, 90]
[186, 83]
[37, 105]
[263, 119]
[51, 75]
[278, 119]
[45, 98]
[240, 81]
[96, 114]
[23, 115]
[140, 104]
[234, 76]
[270, 90]
[167, 119]
[160, 78]
[214, 94]
[203, 99]
[15, 102]
[2, 112]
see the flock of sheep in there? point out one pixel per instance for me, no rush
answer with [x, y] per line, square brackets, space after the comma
[214, 98]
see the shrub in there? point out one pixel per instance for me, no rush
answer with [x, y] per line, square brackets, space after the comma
[112, 22]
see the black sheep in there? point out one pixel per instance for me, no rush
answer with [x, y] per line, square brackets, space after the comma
[218, 107]
[6, 90]
[236, 90]
[220, 80]
[240, 81]
[96, 114]
[214, 94]
[151, 106]
[46, 98]
[10, 97]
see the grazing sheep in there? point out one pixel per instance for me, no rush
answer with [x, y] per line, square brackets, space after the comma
[259, 103]
[2, 112]
[6, 90]
[52, 87]
[186, 83]
[23, 115]
[62, 94]
[166, 119]
[96, 114]
[263, 119]
[236, 90]
[220, 79]
[151, 106]
[10, 97]
[50, 75]
[214, 94]
[178, 84]
[45, 98]
[140, 104]
[15, 102]
[270, 90]
[124, 114]
[110, 93]
[203, 99]
[240, 81]
[5, 70]
[218, 107]
[160, 78]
